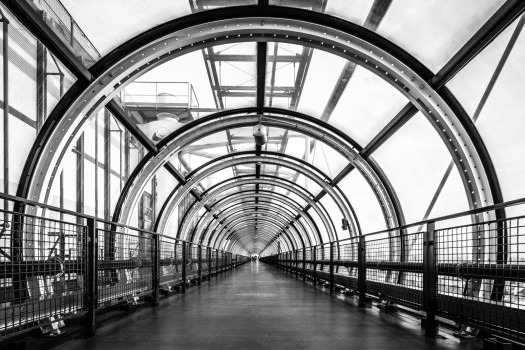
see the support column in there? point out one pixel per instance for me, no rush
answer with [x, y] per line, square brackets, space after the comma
[315, 264]
[361, 271]
[332, 279]
[429, 280]
[184, 259]
[155, 298]
[90, 301]
[199, 271]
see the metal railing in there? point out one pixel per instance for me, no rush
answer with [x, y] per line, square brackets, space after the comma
[159, 95]
[58, 265]
[473, 274]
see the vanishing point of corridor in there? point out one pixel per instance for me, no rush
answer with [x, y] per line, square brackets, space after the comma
[258, 307]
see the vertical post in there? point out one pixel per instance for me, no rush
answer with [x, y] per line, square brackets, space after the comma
[184, 259]
[217, 262]
[304, 264]
[296, 263]
[208, 251]
[361, 271]
[429, 280]
[91, 278]
[5, 48]
[155, 299]
[332, 279]
[199, 257]
[315, 264]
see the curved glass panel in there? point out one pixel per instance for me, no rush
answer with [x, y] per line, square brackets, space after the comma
[366, 106]
[451, 200]
[319, 82]
[491, 88]
[415, 160]
[166, 183]
[320, 225]
[97, 18]
[433, 31]
[327, 159]
[335, 215]
[37, 81]
[364, 202]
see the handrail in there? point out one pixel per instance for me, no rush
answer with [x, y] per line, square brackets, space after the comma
[77, 214]
[503, 205]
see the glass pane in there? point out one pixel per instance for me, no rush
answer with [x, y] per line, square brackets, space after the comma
[364, 202]
[415, 160]
[327, 159]
[366, 106]
[320, 225]
[500, 120]
[354, 11]
[166, 183]
[97, 18]
[322, 75]
[451, 200]
[434, 30]
[335, 215]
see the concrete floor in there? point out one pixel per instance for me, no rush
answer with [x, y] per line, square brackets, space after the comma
[259, 307]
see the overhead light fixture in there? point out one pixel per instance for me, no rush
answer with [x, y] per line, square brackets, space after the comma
[259, 133]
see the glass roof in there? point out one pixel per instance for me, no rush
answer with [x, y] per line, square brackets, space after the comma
[352, 99]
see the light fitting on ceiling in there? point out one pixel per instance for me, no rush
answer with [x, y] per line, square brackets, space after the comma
[259, 134]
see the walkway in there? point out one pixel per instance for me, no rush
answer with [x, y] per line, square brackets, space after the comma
[259, 307]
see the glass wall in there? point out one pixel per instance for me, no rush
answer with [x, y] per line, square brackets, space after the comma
[36, 81]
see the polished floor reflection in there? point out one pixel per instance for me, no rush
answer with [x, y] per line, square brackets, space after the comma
[259, 307]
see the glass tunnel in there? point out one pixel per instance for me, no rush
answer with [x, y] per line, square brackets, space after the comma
[376, 145]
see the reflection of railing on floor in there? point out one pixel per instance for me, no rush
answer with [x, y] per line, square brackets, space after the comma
[471, 274]
[62, 269]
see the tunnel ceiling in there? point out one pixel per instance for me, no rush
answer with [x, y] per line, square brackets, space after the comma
[363, 130]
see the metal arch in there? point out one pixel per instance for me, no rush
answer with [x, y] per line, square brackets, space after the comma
[248, 195]
[183, 190]
[307, 127]
[229, 213]
[372, 40]
[210, 195]
[247, 181]
[267, 160]
[260, 153]
[246, 153]
[262, 194]
[196, 177]
[242, 242]
[245, 231]
[244, 227]
[246, 217]
[218, 206]
[268, 209]
[270, 230]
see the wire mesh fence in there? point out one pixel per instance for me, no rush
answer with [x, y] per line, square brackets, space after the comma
[53, 270]
[42, 265]
[125, 265]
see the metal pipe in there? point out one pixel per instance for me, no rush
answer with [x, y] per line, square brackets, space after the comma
[5, 48]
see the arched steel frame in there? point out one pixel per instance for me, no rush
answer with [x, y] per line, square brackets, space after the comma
[285, 184]
[222, 216]
[263, 196]
[288, 162]
[216, 190]
[242, 217]
[291, 25]
[207, 126]
[249, 210]
[271, 230]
